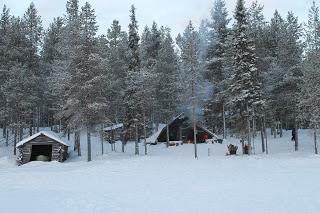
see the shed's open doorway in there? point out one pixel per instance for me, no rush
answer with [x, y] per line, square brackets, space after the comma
[44, 150]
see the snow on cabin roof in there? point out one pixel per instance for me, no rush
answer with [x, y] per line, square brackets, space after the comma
[48, 134]
[116, 126]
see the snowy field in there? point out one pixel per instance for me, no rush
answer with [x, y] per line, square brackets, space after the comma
[168, 180]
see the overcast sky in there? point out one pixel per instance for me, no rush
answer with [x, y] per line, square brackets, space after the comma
[172, 13]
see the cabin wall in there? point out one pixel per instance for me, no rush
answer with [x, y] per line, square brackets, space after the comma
[59, 151]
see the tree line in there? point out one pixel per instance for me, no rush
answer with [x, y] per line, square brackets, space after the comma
[248, 74]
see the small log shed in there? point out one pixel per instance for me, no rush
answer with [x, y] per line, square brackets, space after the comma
[42, 144]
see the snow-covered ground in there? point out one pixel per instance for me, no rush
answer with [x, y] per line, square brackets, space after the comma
[168, 180]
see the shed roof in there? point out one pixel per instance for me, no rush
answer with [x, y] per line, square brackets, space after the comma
[45, 133]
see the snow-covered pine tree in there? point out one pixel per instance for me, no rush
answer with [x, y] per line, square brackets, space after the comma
[4, 45]
[118, 63]
[259, 33]
[32, 25]
[244, 88]
[167, 70]
[309, 98]
[132, 101]
[55, 81]
[216, 71]
[189, 73]
[289, 58]
[86, 103]
[16, 88]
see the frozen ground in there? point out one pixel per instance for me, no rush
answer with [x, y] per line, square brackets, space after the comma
[168, 180]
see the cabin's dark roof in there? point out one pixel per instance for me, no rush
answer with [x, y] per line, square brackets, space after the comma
[48, 134]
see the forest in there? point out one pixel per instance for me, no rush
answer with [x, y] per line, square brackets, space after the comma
[237, 73]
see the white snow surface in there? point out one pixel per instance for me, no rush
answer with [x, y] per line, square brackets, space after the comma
[46, 133]
[167, 180]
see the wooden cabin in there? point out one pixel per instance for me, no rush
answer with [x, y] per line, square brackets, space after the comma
[181, 129]
[116, 132]
[43, 146]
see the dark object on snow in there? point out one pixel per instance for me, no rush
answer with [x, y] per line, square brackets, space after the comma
[246, 149]
[218, 140]
[40, 146]
[293, 138]
[232, 149]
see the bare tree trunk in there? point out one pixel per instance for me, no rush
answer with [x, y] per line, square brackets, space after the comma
[20, 133]
[123, 143]
[38, 119]
[15, 141]
[249, 134]
[315, 142]
[30, 129]
[253, 135]
[262, 137]
[224, 122]
[145, 132]
[60, 126]
[89, 143]
[79, 142]
[281, 129]
[7, 137]
[68, 134]
[265, 134]
[194, 118]
[4, 131]
[75, 147]
[136, 152]
[167, 131]
[296, 142]
[111, 138]
[101, 138]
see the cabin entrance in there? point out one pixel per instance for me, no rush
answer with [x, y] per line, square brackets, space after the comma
[41, 150]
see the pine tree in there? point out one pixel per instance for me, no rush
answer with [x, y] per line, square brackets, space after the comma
[244, 89]
[86, 102]
[309, 101]
[33, 31]
[132, 102]
[216, 71]
[189, 71]
[167, 70]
